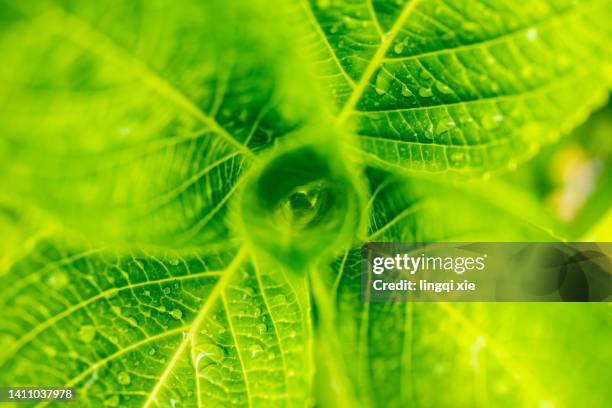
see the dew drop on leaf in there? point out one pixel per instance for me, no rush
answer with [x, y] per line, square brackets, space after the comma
[444, 126]
[58, 280]
[425, 92]
[112, 401]
[123, 378]
[443, 88]
[208, 353]
[248, 292]
[152, 351]
[491, 122]
[87, 333]
[167, 290]
[176, 313]
[255, 350]
[398, 48]
[383, 81]
[532, 34]
[261, 328]
[405, 91]
[211, 373]
[429, 133]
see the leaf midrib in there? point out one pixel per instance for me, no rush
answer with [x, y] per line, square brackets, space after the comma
[375, 62]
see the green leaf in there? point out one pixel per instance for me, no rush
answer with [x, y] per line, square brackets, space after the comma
[197, 164]
[461, 354]
[436, 85]
[134, 123]
[195, 329]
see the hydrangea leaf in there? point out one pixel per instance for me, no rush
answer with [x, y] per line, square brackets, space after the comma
[463, 354]
[191, 329]
[134, 122]
[440, 85]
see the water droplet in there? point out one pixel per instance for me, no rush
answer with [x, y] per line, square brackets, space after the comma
[429, 132]
[248, 292]
[174, 261]
[167, 290]
[444, 126]
[87, 333]
[124, 378]
[532, 34]
[261, 328]
[162, 309]
[383, 81]
[425, 92]
[58, 280]
[209, 353]
[405, 91]
[255, 350]
[398, 48]
[491, 122]
[176, 313]
[112, 401]
[211, 373]
[152, 351]
[443, 88]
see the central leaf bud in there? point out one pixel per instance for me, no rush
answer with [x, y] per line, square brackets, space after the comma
[302, 203]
